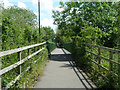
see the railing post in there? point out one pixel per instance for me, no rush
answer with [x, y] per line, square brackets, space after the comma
[99, 59]
[99, 55]
[41, 46]
[111, 57]
[91, 56]
[28, 51]
[111, 68]
[34, 49]
[19, 58]
[119, 69]
[0, 75]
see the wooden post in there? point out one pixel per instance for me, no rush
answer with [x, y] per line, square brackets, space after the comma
[111, 68]
[34, 49]
[111, 57]
[41, 46]
[28, 51]
[119, 69]
[91, 56]
[99, 59]
[19, 58]
[99, 55]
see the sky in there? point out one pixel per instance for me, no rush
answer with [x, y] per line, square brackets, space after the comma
[46, 7]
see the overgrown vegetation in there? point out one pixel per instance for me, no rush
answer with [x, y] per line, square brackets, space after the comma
[19, 29]
[50, 46]
[94, 23]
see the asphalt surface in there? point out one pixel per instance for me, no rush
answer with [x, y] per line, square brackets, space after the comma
[61, 73]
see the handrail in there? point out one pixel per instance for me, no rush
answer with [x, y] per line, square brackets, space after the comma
[104, 58]
[20, 61]
[110, 59]
[102, 47]
[4, 53]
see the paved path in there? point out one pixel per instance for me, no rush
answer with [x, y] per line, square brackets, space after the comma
[60, 73]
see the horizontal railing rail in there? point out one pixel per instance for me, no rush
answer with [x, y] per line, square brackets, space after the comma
[111, 60]
[4, 53]
[20, 61]
[102, 47]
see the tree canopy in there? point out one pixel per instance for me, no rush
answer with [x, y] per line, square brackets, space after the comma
[20, 28]
[77, 15]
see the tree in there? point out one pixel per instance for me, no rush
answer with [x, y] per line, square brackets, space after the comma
[17, 28]
[81, 14]
[48, 33]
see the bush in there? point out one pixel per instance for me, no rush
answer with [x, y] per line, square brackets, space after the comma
[19, 30]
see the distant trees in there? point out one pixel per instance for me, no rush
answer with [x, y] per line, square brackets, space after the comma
[48, 33]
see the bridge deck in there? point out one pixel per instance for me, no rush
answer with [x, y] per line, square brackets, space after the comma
[60, 73]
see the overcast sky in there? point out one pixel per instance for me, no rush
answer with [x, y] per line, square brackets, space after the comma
[46, 8]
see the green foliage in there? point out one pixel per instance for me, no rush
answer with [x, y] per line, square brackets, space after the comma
[91, 35]
[48, 33]
[68, 46]
[62, 37]
[19, 29]
[96, 23]
[118, 17]
[79, 53]
[50, 46]
[77, 15]
[62, 4]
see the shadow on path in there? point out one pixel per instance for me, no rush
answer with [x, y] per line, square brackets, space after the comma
[78, 71]
[60, 57]
[80, 74]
